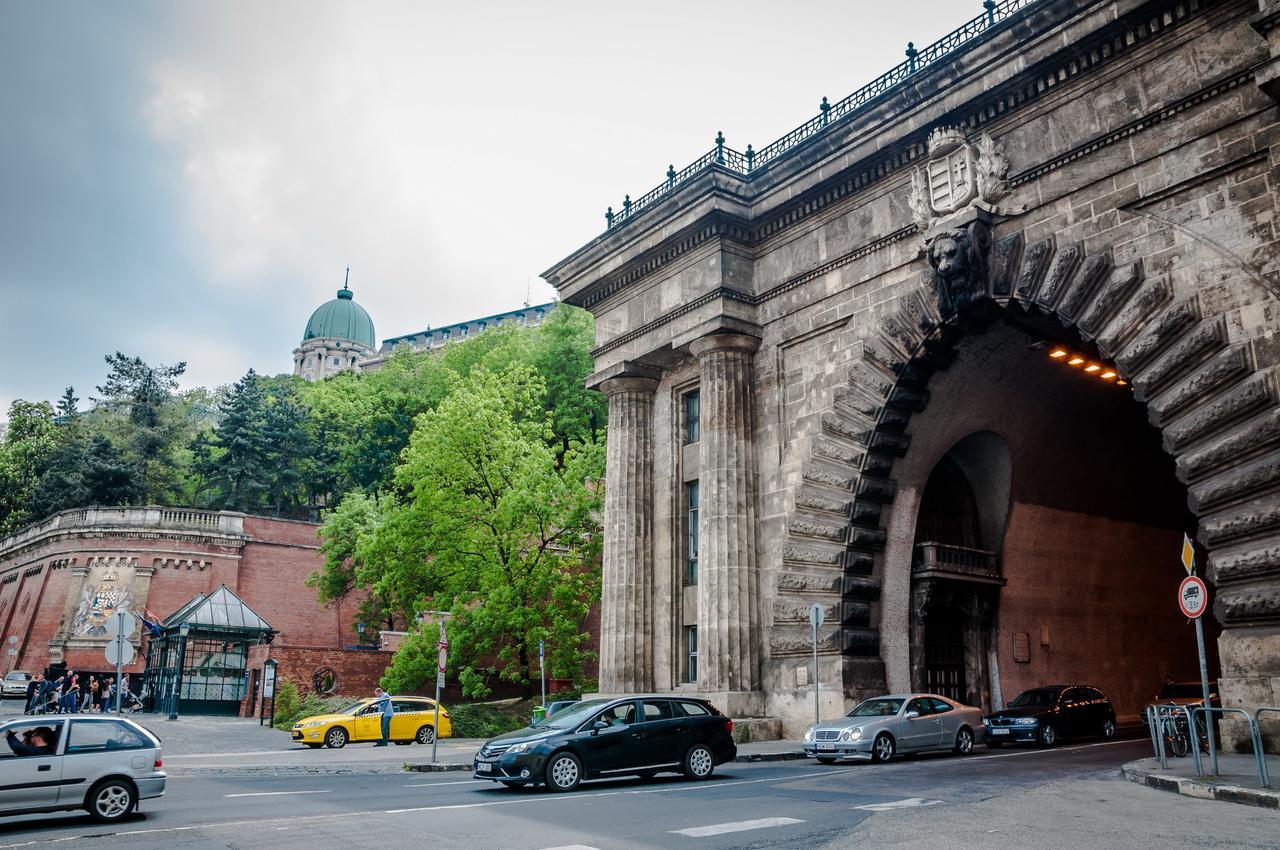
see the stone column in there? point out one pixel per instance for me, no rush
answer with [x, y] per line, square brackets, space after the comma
[728, 587]
[626, 605]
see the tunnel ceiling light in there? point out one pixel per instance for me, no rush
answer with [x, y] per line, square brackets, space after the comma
[1075, 361]
[1098, 370]
[1107, 375]
[1058, 353]
[1092, 367]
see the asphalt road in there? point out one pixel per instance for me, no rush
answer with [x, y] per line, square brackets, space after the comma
[777, 804]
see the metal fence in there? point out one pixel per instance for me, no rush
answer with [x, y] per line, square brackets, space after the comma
[1160, 717]
[747, 162]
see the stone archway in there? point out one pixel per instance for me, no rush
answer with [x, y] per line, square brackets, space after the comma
[1214, 404]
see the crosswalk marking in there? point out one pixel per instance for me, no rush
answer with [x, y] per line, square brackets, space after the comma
[736, 826]
[908, 803]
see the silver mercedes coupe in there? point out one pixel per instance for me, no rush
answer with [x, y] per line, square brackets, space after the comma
[881, 727]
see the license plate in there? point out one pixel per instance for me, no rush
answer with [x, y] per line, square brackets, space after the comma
[997, 731]
[484, 767]
[827, 747]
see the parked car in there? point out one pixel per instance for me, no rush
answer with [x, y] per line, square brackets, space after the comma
[1047, 714]
[15, 684]
[630, 736]
[1185, 693]
[103, 765]
[881, 727]
[413, 722]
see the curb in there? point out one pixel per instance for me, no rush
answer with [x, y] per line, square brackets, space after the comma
[1204, 789]
[754, 757]
[437, 768]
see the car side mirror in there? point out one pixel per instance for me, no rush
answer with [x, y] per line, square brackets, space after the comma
[912, 715]
[597, 726]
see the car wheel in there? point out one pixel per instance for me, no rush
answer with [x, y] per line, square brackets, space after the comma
[426, 735]
[964, 741]
[883, 749]
[336, 738]
[995, 745]
[111, 800]
[1109, 728]
[699, 763]
[1048, 735]
[564, 772]
[825, 760]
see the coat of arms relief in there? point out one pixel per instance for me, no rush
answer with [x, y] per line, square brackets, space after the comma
[954, 196]
[108, 588]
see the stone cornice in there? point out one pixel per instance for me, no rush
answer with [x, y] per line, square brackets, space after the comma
[1117, 39]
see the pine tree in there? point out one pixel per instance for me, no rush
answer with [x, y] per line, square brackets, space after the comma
[242, 471]
[109, 477]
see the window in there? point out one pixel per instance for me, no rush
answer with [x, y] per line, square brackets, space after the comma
[89, 736]
[43, 735]
[462, 331]
[407, 706]
[692, 416]
[691, 501]
[691, 643]
[619, 715]
[694, 709]
[939, 706]
[444, 335]
[337, 361]
[657, 710]
[921, 705]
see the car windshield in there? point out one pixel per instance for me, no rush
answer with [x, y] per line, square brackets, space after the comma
[881, 707]
[574, 715]
[18, 677]
[1041, 696]
[352, 709]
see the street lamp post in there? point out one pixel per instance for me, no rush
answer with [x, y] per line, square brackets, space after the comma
[183, 631]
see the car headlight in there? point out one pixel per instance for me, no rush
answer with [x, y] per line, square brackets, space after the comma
[1027, 721]
[851, 735]
[808, 735]
[521, 747]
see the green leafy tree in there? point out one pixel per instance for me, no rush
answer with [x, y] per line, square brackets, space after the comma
[61, 485]
[562, 355]
[144, 395]
[509, 532]
[30, 442]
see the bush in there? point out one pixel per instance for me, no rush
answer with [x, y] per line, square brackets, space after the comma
[481, 720]
[292, 705]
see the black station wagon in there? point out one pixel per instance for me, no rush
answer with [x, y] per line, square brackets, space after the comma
[594, 739]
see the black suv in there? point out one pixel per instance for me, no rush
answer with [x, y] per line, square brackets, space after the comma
[1043, 715]
[629, 736]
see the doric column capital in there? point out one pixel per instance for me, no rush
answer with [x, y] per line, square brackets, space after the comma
[739, 343]
[628, 384]
[620, 370]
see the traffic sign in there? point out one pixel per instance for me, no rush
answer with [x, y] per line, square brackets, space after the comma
[120, 653]
[816, 615]
[1188, 555]
[121, 623]
[1193, 596]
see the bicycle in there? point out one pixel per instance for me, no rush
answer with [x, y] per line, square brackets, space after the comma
[1177, 736]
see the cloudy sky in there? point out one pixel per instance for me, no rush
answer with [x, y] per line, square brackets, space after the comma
[187, 181]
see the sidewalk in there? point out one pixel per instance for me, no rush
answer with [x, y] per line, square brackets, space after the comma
[1237, 781]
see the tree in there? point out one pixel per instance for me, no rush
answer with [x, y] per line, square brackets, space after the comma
[287, 430]
[509, 533]
[562, 355]
[240, 469]
[142, 393]
[30, 441]
[110, 478]
[61, 485]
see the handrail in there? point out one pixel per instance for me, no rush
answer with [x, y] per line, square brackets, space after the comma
[1262, 759]
[746, 164]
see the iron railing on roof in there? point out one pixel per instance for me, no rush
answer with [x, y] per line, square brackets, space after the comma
[746, 163]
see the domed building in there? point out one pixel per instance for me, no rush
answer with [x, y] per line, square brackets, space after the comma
[339, 336]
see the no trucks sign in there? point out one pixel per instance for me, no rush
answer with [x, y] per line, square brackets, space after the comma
[1193, 596]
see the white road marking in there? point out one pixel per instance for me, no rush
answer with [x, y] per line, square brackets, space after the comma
[909, 803]
[455, 782]
[736, 826]
[274, 793]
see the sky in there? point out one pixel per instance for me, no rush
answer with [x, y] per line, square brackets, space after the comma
[187, 181]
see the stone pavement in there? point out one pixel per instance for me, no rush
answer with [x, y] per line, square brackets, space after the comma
[1237, 780]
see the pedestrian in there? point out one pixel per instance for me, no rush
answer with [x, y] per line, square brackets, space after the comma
[71, 694]
[108, 694]
[34, 687]
[383, 700]
[93, 699]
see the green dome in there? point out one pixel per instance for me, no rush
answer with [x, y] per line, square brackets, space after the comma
[341, 318]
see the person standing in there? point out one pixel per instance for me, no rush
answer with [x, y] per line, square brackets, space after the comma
[34, 687]
[93, 694]
[382, 699]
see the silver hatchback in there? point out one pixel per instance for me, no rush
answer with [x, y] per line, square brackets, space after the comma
[103, 765]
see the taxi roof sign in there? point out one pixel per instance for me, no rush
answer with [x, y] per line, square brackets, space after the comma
[1188, 555]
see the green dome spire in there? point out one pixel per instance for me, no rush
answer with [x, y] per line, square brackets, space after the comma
[341, 318]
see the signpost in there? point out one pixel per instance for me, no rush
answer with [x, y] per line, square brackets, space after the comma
[1193, 601]
[12, 651]
[443, 646]
[815, 620]
[120, 627]
[542, 672]
[268, 690]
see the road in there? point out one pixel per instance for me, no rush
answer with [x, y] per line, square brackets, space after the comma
[776, 804]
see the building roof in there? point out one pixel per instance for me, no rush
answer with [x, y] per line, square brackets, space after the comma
[341, 318]
[221, 610]
[472, 324]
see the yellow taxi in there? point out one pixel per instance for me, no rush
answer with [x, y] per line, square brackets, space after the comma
[413, 721]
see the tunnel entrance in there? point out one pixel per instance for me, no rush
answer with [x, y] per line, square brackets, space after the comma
[1047, 526]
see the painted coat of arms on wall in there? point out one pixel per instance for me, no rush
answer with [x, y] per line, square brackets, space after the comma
[108, 588]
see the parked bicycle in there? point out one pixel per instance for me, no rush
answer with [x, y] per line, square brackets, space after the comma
[1177, 736]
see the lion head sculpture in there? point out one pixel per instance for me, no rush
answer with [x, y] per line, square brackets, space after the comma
[960, 263]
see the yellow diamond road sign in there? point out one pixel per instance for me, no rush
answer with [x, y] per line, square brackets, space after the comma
[1188, 555]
